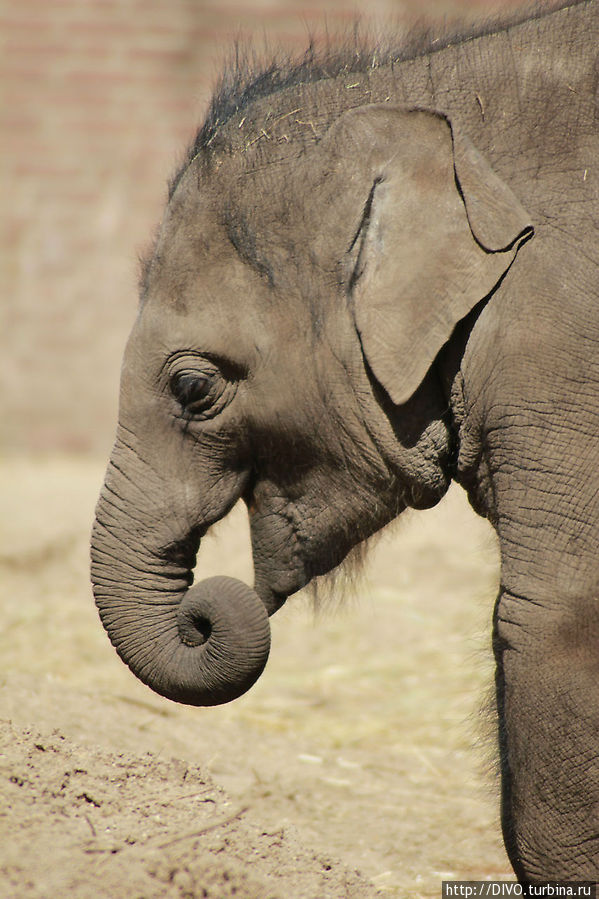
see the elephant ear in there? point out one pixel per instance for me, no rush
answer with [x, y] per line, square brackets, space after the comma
[439, 230]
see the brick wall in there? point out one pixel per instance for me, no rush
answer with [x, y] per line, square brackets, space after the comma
[100, 99]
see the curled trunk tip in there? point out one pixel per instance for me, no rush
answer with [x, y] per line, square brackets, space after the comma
[207, 649]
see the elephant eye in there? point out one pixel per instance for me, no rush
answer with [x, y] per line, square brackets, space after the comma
[195, 392]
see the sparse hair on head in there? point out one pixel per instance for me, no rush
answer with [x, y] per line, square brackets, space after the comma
[248, 76]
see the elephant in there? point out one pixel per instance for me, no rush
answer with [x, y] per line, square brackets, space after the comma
[378, 272]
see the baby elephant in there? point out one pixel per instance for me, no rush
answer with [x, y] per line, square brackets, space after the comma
[375, 273]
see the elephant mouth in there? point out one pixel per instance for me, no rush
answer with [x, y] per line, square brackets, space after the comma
[181, 557]
[273, 600]
[275, 589]
[183, 552]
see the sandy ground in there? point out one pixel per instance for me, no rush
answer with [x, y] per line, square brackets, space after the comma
[359, 765]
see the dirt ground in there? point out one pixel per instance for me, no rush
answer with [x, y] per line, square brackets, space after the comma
[359, 765]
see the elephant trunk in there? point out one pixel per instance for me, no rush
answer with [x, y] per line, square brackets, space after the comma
[200, 645]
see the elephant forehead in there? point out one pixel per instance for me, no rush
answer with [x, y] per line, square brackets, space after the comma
[190, 259]
[189, 283]
[223, 308]
[220, 280]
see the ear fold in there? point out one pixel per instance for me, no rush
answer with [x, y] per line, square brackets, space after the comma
[439, 230]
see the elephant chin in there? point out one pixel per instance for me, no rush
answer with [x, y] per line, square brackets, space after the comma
[207, 648]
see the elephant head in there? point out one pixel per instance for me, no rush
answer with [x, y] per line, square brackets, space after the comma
[285, 352]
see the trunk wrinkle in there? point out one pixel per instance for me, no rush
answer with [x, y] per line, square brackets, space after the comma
[200, 645]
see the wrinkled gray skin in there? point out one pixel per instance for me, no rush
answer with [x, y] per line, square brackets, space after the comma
[364, 286]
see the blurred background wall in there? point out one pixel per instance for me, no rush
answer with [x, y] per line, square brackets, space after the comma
[100, 98]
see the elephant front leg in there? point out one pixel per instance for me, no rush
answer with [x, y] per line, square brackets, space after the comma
[548, 702]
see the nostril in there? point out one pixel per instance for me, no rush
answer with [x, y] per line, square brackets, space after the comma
[194, 630]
